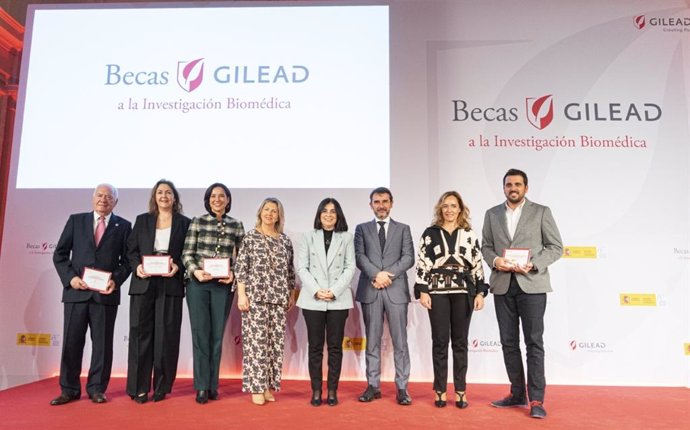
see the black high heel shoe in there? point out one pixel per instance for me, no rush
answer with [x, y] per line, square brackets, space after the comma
[440, 402]
[332, 399]
[461, 400]
[142, 398]
[316, 398]
[202, 397]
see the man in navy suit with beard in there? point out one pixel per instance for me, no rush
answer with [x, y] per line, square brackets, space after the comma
[90, 240]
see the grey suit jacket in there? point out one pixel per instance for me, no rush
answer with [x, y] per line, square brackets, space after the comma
[537, 231]
[332, 272]
[397, 257]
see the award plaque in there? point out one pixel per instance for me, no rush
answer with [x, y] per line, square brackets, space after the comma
[517, 256]
[95, 279]
[217, 267]
[156, 265]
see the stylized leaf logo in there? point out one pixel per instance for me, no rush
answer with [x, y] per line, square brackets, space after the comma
[639, 21]
[540, 111]
[573, 345]
[190, 75]
[194, 73]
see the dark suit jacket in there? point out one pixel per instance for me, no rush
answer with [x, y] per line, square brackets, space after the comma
[397, 257]
[140, 243]
[76, 249]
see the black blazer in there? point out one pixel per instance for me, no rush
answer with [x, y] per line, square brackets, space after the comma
[76, 249]
[140, 243]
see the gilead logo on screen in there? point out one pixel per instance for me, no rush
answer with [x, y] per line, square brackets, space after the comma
[190, 74]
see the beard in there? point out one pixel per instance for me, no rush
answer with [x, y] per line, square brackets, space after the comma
[515, 197]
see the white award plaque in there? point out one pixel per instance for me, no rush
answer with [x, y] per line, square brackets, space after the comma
[96, 279]
[517, 256]
[156, 265]
[217, 267]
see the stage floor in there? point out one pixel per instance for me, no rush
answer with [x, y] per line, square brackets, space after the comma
[568, 407]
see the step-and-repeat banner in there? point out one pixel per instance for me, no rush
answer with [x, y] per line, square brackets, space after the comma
[590, 99]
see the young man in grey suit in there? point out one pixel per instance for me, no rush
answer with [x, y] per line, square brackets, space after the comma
[520, 287]
[384, 252]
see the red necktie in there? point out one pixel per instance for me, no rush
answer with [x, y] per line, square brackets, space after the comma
[100, 229]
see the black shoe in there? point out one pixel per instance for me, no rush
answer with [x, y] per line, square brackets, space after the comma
[404, 398]
[98, 398]
[439, 402]
[316, 398]
[370, 394]
[213, 394]
[461, 400]
[142, 398]
[157, 396]
[332, 399]
[202, 397]
[510, 402]
[537, 410]
[62, 399]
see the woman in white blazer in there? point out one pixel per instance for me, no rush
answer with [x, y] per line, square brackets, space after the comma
[326, 265]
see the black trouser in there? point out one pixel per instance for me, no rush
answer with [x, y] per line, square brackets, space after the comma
[331, 325]
[100, 320]
[512, 308]
[450, 316]
[154, 340]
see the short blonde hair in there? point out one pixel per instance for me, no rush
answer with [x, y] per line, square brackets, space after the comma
[463, 216]
[281, 213]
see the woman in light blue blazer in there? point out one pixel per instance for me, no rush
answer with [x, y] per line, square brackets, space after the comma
[326, 265]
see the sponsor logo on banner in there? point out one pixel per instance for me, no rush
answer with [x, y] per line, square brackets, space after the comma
[588, 346]
[485, 345]
[40, 248]
[540, 111]
[354, 343]
[580, 252]
[639, 21]
[545, 110]
[34, 339]
[686, 348]
[635, 299]
[668, 24]
[682, 253]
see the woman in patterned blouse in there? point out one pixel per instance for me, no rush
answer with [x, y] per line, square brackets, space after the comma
[265, 293]
[214, 235]
[450, 284]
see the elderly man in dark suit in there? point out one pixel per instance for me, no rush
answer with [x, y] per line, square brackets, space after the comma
[520, 287]
[383, 253]
[90, 240]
